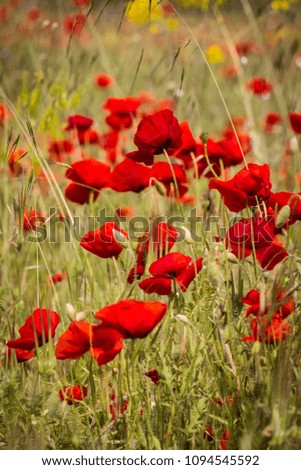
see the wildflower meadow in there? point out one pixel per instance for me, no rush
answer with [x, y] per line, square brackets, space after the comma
[150, 235]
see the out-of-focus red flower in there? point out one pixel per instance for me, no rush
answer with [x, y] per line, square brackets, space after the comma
[103, 80]
[153, 375]
[225, 440]
[229, 71]
[159, 240]
[249, 187]
[103, 242]
[190, 147]
[4, 14]
[284, 198]
[208, 434]
[132, 318]
[4, 114]
[74, 23]
[257, 234]
[271, 121]
[39, 327]
[155, 134]
[130, 176]
[108, 142]
[57, 277]
[59, 148]
[260, 86]
[78, 122]
[285, 306]
[34, 14]
[91, 136]
[126, 212]
[244, 48]
[73, 394]
[115, 409]
[89, 177]
[17, 162]
[268, 330]
[33, 219]
[295, 121]
[171, 267]
[122, 111]
[81, 337]
[81, 3]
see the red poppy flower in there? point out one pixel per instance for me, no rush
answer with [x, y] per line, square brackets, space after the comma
[260, 86]
[38, 329]
[4, 113]
[159, 239]
[89, 177]
[81, 3]
[103, 241]
[108, 142]
[250, 186]
[115, 409]
[122, 111]
[190, 147]
[271, 120]
[22, 355]
[57, 277]
[293, 200]
[169, 176]
[173, 266]
[73, 24]
[4, 14]
[155, 133]
[34, 14]
[132, 318]
[103, 80]
[285, 306]
[88, 137]
[244, 48]
[18, 164]
[59, 148]
[267, 330]
[129, 176]
[153, 375]
[295, 121]
[225, 440]
[78, 122]
[124, 212]
[33, 219]
[73, 393]
[81, 337]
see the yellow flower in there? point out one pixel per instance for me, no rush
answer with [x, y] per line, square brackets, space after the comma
[282, 5]
[172, 24]
[215, 54]
[143, 11]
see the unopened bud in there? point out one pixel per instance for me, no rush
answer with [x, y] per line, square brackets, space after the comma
[283, 216]
[70, 310]
[160, 188]
[204, 137]
[120, 239]
[182, 318]
[232, 258]
[187, 235]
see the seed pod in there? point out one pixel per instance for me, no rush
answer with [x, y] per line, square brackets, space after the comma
[283, 216]
[160, 188]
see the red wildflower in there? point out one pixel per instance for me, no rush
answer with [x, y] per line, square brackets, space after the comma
[4, 14]
[159, 239]
[260, 86]
[271, 120]
[295, 121]
[38, 329]
[132, 318]
[17, 162]
[267, 330]
[257, 234]
[155, 133]
[108, 142]
[122, 111]
[103, 242]
[169, 176]
[22, 355]
[250, 186]
[78, 122]
[59, 148]
[103, 80]
[221, 154]
[4, 113]
[173, 266]
[81, 337]
[34, 14]
[57, 277]
[115, 409]
[190, 147]
[153, 375]
[33, 219]
[225, 440]
[124, 212]
[129, 176]
[89, 177]
[73, 394]
[81, 3]
[285, 306]
[73, 24]
[244, 48]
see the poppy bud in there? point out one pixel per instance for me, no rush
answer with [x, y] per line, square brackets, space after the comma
[182, 318]
[205, 137]
[160, 188]
[283, 216]
[120, 238]
[232, 258]
[187, 235]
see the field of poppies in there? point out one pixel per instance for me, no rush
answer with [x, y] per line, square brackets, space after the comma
[150, 224]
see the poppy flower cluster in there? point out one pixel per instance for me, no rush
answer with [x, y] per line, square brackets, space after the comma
[269, 324]
[73, 394]
[128, 318]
